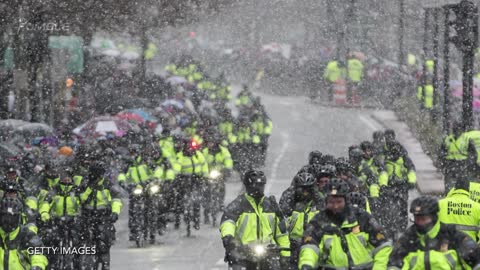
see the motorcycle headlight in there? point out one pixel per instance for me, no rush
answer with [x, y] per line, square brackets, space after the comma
[137, 191]
[214, 174]
[259, 250]
[154, 189]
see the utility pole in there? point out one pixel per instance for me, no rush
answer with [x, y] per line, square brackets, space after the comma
[465, 25]
[401, 50]
[446, 72]
[435, 58]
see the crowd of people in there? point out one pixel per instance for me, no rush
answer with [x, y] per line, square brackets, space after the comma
[344, 213]
[71, 196]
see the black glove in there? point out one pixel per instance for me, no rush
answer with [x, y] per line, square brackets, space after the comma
[228, 243]
[306, 267]
[114, 217]
[412, 186]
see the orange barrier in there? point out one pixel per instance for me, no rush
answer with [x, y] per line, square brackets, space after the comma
[340, 92]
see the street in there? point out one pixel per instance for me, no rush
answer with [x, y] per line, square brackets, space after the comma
[299, 127]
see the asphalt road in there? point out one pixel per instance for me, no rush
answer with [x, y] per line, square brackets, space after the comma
[299, 127]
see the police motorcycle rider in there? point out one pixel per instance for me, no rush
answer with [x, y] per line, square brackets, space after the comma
[159, 191]
[371, 172]
[454, 160]
[194, 168]
[252, 221]
[220, 165]
[289, 196]
[29, 215]
[49, 179]
[430, 244]
[13, 179]
[11, 174]
[458, 209]
[262, 125]
[17, 239]
[100, 207]
[246, 144]
[60, 211]
[134, 181]
[394, 193]
[342, 236]
[300, 209]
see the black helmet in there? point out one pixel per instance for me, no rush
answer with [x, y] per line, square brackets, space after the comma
[424, 206]
[356, 199]
[366, 145]
[97, 169]
[354, 153]
[11, 206]
[252, 177]
[336, 187]
[394, 151]
[389, 134]
[326, 170]
[304, 179]
[342, 164]
[378, 135]
[328, 160]
[314, 157]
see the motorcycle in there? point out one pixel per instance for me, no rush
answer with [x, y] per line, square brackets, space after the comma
[154, 209]
[65, 226]
[137, 215]
[190, 192]
[258, 256]
[215, 194]
[98, 232]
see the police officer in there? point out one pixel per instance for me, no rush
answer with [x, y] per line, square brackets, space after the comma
[100, 208]
[458, 209]
[252, 218]
[136, 177]
[332, 73]
[300, 209]
[193, 172]
[371, 171]
[342, 237]
[430, 244]
[18, 241]
[220, 165]
[394, 192]
[355, 76]
[454, 161]
[62, 206]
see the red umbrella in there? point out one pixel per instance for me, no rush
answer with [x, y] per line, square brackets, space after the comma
[131, 117]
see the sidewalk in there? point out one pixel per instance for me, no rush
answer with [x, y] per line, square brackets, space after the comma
[429, 179]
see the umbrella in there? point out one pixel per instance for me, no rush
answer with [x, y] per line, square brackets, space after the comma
[131, 117]
[100, 126]
[172, 102]
[111, 52]
[130, 55]
[144, 113]
[175, 80]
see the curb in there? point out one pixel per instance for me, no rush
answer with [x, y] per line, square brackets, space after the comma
[429, 179]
